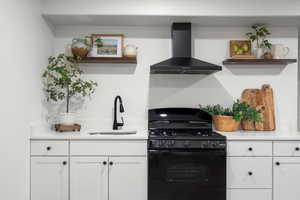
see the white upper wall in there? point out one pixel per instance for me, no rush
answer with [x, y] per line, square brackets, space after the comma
[26, 43]
[141, 91]
[174, 7]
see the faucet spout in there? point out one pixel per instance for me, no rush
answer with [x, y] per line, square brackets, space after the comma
[117, 124]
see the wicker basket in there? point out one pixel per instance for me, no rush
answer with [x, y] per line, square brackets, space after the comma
[225, 123]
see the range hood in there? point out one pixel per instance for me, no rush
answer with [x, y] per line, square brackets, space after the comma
[182, 62]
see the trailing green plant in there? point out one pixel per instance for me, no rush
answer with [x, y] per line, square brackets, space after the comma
[239, 111]
[99, 42]
[62, 80]
[259, 35]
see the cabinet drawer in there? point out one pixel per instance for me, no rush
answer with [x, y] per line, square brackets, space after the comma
[249, 194]
[249, 172]
[250, 148]
[108, 148]
[287, 148]
[49, 148]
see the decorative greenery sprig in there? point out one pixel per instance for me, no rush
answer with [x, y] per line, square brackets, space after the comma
[62, 80]
[259, 35]
[239, 111]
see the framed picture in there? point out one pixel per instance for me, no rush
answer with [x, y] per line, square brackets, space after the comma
[107, 45]
[240, 48]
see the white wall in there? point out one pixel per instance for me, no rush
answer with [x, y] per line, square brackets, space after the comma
[175, 7]
[25, 45]
[210, 44]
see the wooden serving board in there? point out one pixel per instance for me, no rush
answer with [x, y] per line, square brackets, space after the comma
[260, 99]
[67, 128]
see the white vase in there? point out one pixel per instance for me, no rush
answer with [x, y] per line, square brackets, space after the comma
[67, 118]
[259, 52]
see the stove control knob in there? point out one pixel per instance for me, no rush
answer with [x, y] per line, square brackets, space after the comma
[171, 143]
[213, 144]
[203, 144]
[186, 143]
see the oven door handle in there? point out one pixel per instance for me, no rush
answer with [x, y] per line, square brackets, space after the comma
[178, 152]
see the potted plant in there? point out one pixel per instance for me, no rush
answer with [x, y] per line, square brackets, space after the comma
[81, 46]
[99, 44]
[62, 81]
[258, 36]
[228, 119]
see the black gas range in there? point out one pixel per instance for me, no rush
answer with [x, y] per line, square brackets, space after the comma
[187, 159]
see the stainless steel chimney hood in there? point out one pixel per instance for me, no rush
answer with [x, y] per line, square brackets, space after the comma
[182, 62]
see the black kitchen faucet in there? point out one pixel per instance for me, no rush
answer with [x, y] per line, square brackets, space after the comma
[117, 124]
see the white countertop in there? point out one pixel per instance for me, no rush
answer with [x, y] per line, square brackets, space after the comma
[143, 135]
[52, 135]
[261, 135]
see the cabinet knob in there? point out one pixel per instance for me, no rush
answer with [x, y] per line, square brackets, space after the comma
[297, 149]
[48, 148]
[64, 162]
[111, 163]
[104, 162]
[250, 149]
[277, 163]
[250, 173]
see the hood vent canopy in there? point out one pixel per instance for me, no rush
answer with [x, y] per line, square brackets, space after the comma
[182, 62]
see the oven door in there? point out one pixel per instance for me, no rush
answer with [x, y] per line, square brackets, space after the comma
[186, 175]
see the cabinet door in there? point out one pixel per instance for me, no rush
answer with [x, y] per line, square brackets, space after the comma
[249, 172]
[127, 178]
[286, 178]
[49, 178]
[89, 178]
[249, 194]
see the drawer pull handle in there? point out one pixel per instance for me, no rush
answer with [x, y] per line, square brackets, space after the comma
[104, 163]
[277, 163]
[297, 149]
[250, 149]
[111, 163]
[64, 162]
[48, 148]
[250, 173]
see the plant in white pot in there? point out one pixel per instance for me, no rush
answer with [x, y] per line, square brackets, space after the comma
[258, 36]
[62, 81]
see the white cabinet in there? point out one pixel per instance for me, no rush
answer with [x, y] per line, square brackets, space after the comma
[49, 148]
[249, 194]
[113, 178]
[49, 178]
[286, 175]
[287, 148]
[249, 172]
[99, 170]
[89, 178]
[249, 148]
[128, 178]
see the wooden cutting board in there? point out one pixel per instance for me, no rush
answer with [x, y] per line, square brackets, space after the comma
[260, 99]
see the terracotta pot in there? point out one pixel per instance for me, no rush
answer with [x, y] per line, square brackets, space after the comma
[268, 56]
[248, 125]
[225, 123]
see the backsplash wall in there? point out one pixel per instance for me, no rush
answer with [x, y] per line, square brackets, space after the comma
[141, 91]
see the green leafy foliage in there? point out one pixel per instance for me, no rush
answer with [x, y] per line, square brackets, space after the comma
[239, 111]
[259, 34]
[99, 42]
[62, 79]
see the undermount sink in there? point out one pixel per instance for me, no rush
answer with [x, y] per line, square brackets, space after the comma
[113, 132]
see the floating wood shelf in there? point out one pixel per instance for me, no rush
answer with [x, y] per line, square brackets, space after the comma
[258, 61]
[108, 60]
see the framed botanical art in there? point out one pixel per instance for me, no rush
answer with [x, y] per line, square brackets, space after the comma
[240, 48]
[107, 45]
